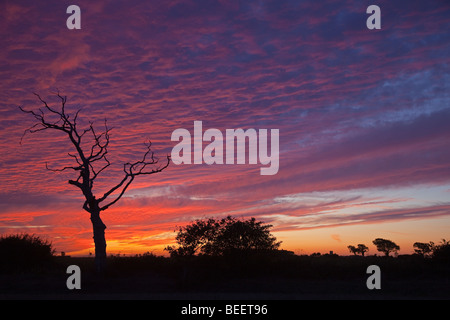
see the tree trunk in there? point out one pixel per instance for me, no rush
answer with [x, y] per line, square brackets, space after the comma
[99, 241]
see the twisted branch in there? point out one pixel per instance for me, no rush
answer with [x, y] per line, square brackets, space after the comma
[97, 152]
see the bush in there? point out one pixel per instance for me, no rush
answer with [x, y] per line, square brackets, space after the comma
[24, 252]
[223, 237]
[442, 252]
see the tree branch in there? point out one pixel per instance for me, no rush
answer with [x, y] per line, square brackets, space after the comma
[97, 152]
[65, 168]
[132, 170]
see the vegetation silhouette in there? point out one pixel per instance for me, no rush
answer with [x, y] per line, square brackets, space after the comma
[441, 252]
[226, 236]
[386, 246]
[21, 252]
[268, 273]
[89, 161]
[424, 249]
[359, 249]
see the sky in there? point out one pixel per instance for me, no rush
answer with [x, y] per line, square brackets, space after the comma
[363, 118]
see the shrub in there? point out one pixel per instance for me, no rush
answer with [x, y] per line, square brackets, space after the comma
[24, 252]
[442, 252]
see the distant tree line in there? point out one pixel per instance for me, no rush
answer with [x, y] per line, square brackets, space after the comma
[387, 246]
[218, 237]
[206, 237]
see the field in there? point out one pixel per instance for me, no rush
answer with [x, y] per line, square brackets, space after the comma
[278, 275]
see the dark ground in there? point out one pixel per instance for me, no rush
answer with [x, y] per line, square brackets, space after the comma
[243, 277]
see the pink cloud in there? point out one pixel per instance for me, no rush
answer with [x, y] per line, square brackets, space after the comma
[354, 109]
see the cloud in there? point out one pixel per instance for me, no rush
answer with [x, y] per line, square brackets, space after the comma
[356, 109]
[336, 237]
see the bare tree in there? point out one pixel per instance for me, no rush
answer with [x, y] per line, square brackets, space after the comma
[89, 163]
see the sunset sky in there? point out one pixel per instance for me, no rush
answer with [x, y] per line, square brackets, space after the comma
[363, 116]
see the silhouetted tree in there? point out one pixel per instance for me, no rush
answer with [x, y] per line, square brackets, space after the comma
[423, 249]
[89, 162]
[353, 249]
[385, 246]
[217, 237]
[360, 249]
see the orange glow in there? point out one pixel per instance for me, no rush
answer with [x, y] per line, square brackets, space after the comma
[363, 120]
